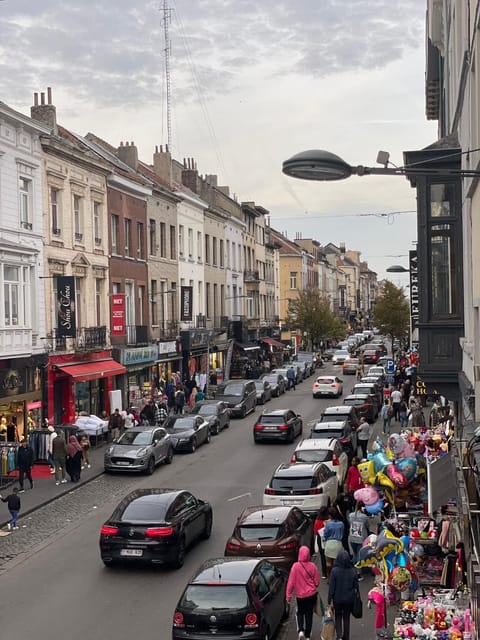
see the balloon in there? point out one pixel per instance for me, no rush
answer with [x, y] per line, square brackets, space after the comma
[396, 476]
[402, 560]
[373, 509]
[395, 443]
[380, 461]
[370, 539]
[406, 542]
[407, 467]
[383, 481]
[367, 495]
[407, 452]
[400, 578]
[387, 542]
[418, 550]
[366, 556]
[366, 471]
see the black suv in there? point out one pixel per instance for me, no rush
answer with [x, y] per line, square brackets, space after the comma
[232, 598]
[280, 424]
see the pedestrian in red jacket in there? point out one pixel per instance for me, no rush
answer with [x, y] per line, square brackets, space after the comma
[353, 480]
[303, 581]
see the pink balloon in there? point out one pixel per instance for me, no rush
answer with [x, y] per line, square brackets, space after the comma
[396, 476]
[367, 495]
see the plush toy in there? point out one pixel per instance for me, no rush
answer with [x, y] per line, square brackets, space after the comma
[375, 595]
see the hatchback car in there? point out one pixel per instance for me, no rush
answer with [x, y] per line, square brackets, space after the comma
[139, 449]
[371, 356]
[327, 386]
[350, 366]
[277, 383]
[264, 391]
[326, 450]
[187, 432]
[340, 356]
[341, 413]
[377, 370]
[307, 486]
[280, 424]
[239, 599]
[273, 533]
[155, 526]
[340, 430]
[365, 404]
[370, 388]
[216, 413]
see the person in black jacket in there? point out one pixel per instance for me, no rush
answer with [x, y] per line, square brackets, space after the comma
[341, 592]
[13, 504]
[25, 464]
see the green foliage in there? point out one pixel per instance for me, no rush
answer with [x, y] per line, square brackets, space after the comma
[391, 313]
[311, 313]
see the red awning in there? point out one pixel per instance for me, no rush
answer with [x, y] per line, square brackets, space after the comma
[273, 343]
[93, 370]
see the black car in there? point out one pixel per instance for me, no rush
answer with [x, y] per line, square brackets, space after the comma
[341, 430]
[215, 412]
[231, 598]
[281, 424]
[264, 391]
[155, 526]
[365, 404]
[277, 383]
[187, 432]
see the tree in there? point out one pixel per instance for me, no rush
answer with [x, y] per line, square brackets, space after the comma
[311, 313]
[391, 313]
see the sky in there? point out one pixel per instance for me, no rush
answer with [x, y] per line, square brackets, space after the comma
[252, 83]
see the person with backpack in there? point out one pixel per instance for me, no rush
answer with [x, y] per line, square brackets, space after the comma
[386, 414]
[179, 400]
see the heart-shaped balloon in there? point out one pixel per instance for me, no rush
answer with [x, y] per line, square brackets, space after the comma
[408, 467]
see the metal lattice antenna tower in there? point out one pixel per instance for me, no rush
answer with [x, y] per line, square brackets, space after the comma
[167, 13]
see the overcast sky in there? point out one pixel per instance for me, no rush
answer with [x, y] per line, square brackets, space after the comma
[253, 82]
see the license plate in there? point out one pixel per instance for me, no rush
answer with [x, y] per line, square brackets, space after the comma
[123, 463]
[291, 501]
[135, 553]
[269, 428]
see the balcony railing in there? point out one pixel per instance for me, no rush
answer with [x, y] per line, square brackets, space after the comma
[137, 335]
[169, 329]
[89, 338]
[251, 276]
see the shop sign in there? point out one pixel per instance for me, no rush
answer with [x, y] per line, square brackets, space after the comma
[118, 314]
[165, 348]
[11, 382]
[414, 303]
[138, 355]
[186, 304]
[196, 338]
[66, 321]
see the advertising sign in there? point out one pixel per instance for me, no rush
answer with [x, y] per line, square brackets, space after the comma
[66, 321]
[118, 314]
[414, 307]
[186, 304]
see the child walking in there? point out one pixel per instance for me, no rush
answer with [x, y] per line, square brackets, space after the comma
[13, 504]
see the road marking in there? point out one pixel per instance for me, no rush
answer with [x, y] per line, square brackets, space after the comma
[243, 495]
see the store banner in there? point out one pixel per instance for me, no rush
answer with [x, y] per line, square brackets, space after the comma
[414, 306]
[186, 304]
[118, 314]
[66, 321]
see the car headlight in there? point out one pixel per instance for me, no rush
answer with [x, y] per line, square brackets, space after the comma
[183, 440]
[238, 406]
[109, 451]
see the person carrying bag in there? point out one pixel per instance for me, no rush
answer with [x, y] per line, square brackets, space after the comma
[342, 593]
[303, 581]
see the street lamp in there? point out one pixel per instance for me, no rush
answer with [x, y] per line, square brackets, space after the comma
[397, 268]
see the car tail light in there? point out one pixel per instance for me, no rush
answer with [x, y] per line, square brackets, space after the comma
[335, 460]
[232, 545]
[283, 427]
[258, 427]
[288, 545]
[315, 491]
[270, 492]
[159, 532]
[106, 530]
[251, 619]
[178, 619]
[293, 459]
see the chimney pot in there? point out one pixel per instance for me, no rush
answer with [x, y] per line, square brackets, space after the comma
[166, 148]
[49, 95]
[42, 97]
[35, 99]
[156, 148]
[132, 144]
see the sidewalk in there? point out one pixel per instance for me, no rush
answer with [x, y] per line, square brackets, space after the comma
[45, 490]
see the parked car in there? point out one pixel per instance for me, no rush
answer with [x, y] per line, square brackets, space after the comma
[340, 430]
[187, 432]
[279, 424]
[370, 388]
[326, 450]
[377, 370]
[307, 486]
[232, 598]
[341, 412]
[277, 383]
[365, 404]
[328, 353]
[309, 359]
[340, 356]
[139, 449]
[264, 391]
[371, 356]
[155, 526]
[273, 533]
[240, 396]
[281, 372]
[350, 366]
[215, 412]
[327, 386]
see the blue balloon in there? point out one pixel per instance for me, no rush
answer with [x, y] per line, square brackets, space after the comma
[407, 466]
[380, 461]
[402, 560]
[373, 509]
[406, 542]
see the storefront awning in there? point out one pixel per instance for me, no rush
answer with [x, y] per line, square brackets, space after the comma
[93, 370]
[247, 346]
[273, 343]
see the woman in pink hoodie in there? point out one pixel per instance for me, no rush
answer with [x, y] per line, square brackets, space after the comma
[303, 581]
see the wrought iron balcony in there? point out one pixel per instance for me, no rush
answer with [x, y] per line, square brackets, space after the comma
[251, 276]
[137, 335]
[90, 338]
[169, 329]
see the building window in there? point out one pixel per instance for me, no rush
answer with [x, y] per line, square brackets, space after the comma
[115, 224]
[11, 295]
[173, 246]
[97, 223]
[215, 301]
[98, 301]
[222, 299]
[152, 238]
[214, 252]
[207, 299]
[78, 218]
[234, 256]
[141, 298]
[26, 203]
[140, 241]
[228, 254]
[78, 301]
[163, 240]
[207, 248]
[221, 253]
[199, 246]
[293, 279]
[443, 284]
[190, 243]
[55, 211]
[128, 236]
[180, 239]
[153, 302]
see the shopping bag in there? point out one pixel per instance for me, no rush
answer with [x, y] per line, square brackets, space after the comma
[357, 609]
[319, 609]
[328, 628]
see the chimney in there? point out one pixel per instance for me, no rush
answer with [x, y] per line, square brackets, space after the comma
[128, 153]
[162, 164]
[190, 175]
[212, 180]
[45, 113]
[342, 247]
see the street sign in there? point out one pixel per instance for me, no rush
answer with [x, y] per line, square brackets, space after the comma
[389, 379]
[390, 366]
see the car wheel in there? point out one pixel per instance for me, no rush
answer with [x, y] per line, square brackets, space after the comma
[227, 424]
[150, 466]
[181, 552]
[292, 437]
[209, 437]
[262, 400]
[110, 564]
[216, 430]
[169, 456]
[244, 412]
[193, 445]
[207, 531]
[266, 635]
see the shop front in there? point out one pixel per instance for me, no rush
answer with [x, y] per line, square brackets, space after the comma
[21, 384]
[218, 358]
[79, 382]
[140, 374]
[196, 347]
[169, 361]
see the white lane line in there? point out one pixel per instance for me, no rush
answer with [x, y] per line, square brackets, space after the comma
[243, 495]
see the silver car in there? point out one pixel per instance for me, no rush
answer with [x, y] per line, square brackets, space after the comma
[139, 449]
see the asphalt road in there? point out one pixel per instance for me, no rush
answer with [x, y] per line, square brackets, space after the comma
[58, 587]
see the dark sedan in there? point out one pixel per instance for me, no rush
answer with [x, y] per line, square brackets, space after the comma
[215, 412]
[187, 432]
[281, 424]
[365, 404]
[155, 526]
[264, 391]
[277, 383]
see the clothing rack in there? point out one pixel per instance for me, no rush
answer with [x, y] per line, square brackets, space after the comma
[8, 461]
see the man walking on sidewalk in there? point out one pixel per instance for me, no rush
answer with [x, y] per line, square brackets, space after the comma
[25, 464]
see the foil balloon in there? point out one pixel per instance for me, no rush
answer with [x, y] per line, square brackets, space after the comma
[367, 495]
[366, 471]
[417, 550]
[371, 539]
[406, 542]
[380, 461]
[386, 543]
[407, 451]
[395, 443]
[366, 556]
[374, 509]
[383, 481]
[407, 467]
[398, 479]
[402, 560]
[400, 578]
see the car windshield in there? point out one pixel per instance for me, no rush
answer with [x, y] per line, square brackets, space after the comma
[181, 423]
[334, 417]
[260, 532]
[144, 510]
[233, 390]
[213, 597]
[296, 483]
[325, 380]
[326, 433]
[137, 438]
[271, 379]
[366, 389]
[313, 455]
[354, 402]
[341, 352]
[259, 386]
[271, 420]
[207, 410]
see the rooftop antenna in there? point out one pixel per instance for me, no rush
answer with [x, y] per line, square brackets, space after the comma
[167, 16]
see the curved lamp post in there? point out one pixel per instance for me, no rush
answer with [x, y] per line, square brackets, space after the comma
[397, 268]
